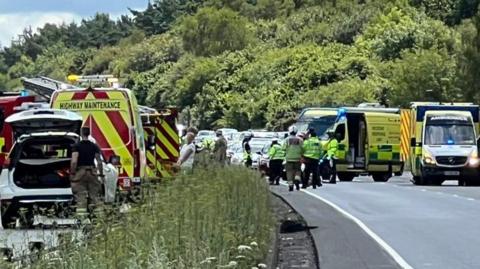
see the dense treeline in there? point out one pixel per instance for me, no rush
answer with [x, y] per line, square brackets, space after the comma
[251, 63]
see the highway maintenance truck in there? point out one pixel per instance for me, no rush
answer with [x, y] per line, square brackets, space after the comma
[443, 143]
[369, 143]
[114, 119]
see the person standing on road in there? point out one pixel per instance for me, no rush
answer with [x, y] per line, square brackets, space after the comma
[84, 173]
[276, 154]
[312, 152]
[220, 149]
[293, 155]
[187, 154]
[332, 148]
[247, 151]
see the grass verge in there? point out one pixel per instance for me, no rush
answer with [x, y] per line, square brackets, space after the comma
[218, 218]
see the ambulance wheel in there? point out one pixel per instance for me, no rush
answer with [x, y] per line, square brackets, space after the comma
[381, 177]
[345, 176]
[436, 181]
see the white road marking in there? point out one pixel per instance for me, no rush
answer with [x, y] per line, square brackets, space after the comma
[455, 195]
[470, 199]
[423, 190]
[394, 254]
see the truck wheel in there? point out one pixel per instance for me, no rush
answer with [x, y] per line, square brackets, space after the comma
[381, 177]
[345, 176]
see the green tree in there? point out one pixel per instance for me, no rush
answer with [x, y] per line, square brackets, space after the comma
[404, 29]
[422, 75]
[211, 32]
[469, 59]
[159, 16]
[449, 11]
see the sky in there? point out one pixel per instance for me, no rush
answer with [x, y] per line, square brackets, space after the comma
[16, 15]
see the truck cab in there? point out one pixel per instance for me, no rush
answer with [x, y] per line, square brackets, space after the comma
[444, 144]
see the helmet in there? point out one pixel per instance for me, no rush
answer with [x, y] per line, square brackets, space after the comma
[292, 129]
[248, 135]
[275, 139]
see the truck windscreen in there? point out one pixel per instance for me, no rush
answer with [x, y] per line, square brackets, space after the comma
[449, 131]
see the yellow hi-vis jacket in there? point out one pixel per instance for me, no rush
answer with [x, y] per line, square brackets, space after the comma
[332, 147]
[312, 148]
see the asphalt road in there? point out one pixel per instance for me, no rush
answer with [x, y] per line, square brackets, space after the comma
[363, 224]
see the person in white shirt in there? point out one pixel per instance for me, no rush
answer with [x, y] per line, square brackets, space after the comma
[187, 154]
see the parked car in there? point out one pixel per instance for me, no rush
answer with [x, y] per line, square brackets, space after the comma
[229, 133]
[36, 172]
[264, 160]
[265, 134]
[256, 145]
[236, 155]
[202, 134]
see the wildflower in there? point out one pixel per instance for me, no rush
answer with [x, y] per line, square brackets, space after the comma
[262, 265]
[243, 247]
[208, 260]
[239, 257]
[232, 264]
[254, 244]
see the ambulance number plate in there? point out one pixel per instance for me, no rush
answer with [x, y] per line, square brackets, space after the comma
[451, 173]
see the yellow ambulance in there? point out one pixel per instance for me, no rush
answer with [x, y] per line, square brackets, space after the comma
[369, 143]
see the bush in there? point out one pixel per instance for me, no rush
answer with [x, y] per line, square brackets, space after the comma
[215, 218]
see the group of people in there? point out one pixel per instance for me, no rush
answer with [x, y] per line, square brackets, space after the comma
[306, 149]
[215, 150]
[295, 150]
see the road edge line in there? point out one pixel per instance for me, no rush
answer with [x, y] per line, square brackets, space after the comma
[394, 254]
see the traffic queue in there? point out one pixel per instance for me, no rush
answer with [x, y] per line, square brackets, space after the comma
[435, 141]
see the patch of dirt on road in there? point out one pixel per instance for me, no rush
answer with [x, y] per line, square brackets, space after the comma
[294, 244]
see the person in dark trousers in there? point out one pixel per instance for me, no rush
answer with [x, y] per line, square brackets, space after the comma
[247, 151]
[84, 173]
[276, 154]
[312, 152]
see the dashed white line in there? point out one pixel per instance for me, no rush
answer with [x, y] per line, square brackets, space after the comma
[470, 199]
[394, 254]
[455, 195]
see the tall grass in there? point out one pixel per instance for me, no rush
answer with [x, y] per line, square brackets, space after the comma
[217, 218]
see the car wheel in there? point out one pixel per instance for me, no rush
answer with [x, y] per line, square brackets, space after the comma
[381, 177]
[346, 176]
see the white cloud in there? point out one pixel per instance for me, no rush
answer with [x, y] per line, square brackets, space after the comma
[12, 24]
